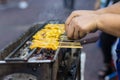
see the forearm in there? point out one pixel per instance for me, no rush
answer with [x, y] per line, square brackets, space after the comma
[109, 23]
[114, 9]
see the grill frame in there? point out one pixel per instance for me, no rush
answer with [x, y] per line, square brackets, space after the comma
[16, 60]
[50, 67]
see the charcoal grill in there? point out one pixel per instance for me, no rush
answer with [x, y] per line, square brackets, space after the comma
[60, 67]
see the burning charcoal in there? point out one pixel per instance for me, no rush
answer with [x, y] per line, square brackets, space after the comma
[40, 57]
[28, 43]
[48, 52]
[50, 58]
[17, 55]
[47, 55]
[24, 53]
[44, 54]
[38, 51]
[44, 57]
[52, 51]
[24, 46]
[52, 55]
[42, 51]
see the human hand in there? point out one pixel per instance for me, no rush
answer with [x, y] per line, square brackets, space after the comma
[81, 25]
[76, 14]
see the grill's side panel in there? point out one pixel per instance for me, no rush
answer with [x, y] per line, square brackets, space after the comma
[6, 69]
[10, 47]
[41, 72]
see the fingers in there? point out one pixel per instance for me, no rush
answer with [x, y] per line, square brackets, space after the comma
[82, 34]
[69, 19]
[79, 26]
[73, 30]
[70, 32]
[76, 32]
[72, 15]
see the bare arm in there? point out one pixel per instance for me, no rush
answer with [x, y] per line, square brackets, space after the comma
[82, 22]
[111, 9]
[115, 9]
[109, 23]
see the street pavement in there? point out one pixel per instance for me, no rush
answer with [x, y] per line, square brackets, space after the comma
[14, 21]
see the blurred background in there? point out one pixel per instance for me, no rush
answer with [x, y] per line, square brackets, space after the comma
[16, 16]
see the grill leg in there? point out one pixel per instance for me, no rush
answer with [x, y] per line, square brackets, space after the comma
[83, 59]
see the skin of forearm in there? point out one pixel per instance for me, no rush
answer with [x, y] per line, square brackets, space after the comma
[109, 23]
[114, 9]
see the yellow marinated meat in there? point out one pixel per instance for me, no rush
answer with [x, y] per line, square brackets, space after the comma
[48, 37]
[42, 44]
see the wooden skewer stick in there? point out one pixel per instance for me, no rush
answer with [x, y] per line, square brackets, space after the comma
[70, 46]
[70, 43]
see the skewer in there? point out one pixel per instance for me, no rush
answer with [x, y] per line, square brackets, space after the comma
[65, 38]
[70, 45]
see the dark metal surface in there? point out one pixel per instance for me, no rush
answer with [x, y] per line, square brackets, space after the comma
[42, 69]
[14, 59]
[20, 76]
[11, 57]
